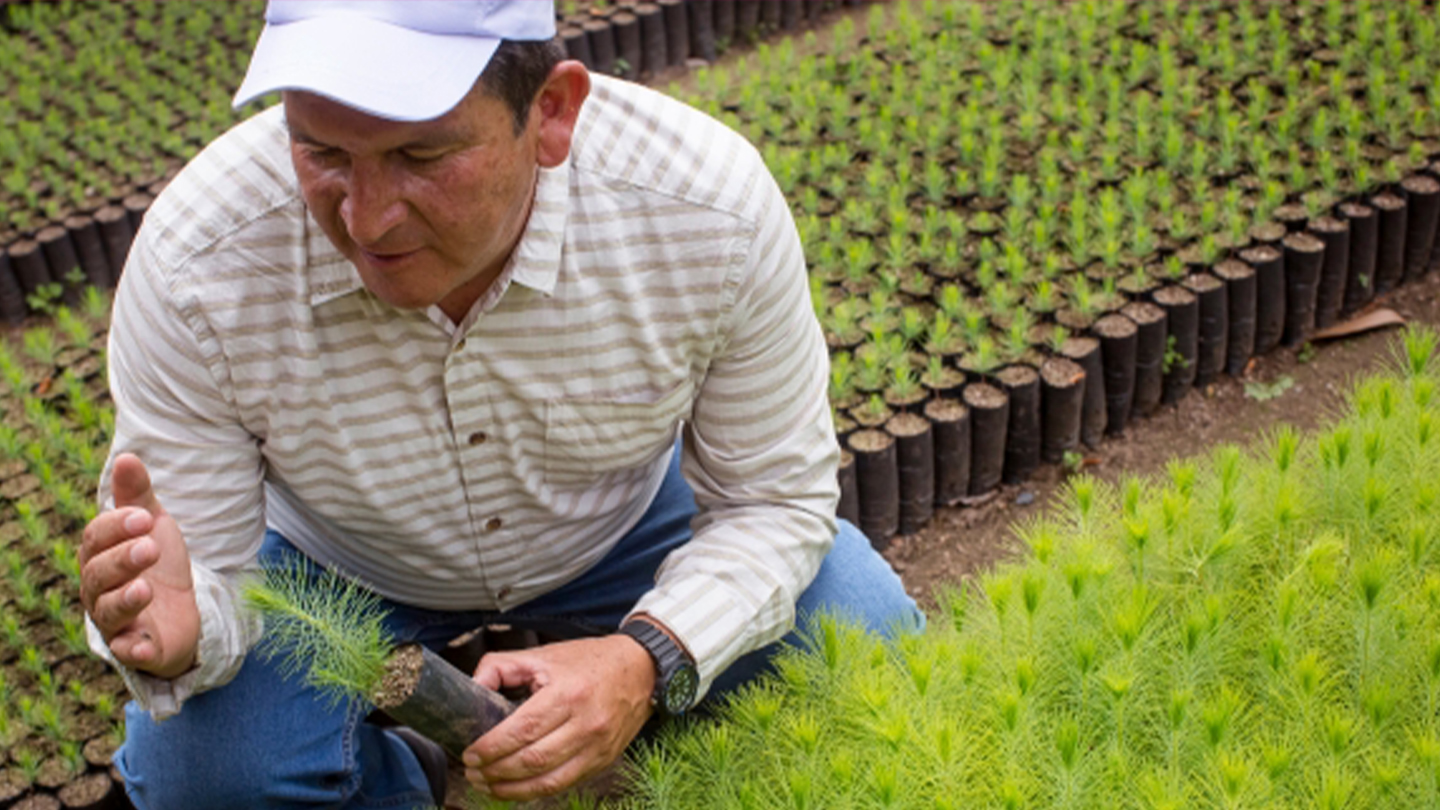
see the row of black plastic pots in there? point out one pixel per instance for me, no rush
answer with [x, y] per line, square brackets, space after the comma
[961, 443]
[644, 39]
[86, 249]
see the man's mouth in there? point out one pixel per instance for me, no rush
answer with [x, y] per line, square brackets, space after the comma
[386, 259]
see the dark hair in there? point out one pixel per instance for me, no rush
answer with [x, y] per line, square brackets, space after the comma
[517, 71]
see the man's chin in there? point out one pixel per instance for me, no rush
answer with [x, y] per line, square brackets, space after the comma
[403, 299]
[400, 296]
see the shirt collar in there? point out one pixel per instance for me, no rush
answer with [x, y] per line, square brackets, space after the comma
[537, 257]
[331, 275]
[534, 264]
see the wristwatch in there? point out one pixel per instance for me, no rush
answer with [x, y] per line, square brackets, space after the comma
[676, 679]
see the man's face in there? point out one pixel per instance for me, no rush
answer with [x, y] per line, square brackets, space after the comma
[427, 211]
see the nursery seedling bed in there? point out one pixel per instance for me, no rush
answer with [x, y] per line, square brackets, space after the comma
[106, 97]
[974, 183]
[1022, 298]
[61, 710]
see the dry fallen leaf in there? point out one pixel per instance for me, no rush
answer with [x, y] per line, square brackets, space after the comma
[1366, 322]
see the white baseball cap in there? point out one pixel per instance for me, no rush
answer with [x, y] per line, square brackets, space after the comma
[406, 60]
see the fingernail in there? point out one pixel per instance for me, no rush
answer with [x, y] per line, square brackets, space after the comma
[131, 597]
[140, 553]
[472, 761]
[135, 522]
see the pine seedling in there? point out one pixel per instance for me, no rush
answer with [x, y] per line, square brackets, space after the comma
[75, 328]
[942, 338]
[874, 409]
[1419, 346]
[904, 383]
[912, 326]
[40, 345]
[72, 633]
[95, 304]
[1372, 576]
[871, 372]
[28, 761]
[320, 624]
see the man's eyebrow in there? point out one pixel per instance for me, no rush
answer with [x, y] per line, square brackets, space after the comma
[437, 139]
[431, 140]
[301, 136]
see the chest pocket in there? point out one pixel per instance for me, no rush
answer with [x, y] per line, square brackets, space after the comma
[586, 439]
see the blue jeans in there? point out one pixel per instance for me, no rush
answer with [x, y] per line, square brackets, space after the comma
[264, 741]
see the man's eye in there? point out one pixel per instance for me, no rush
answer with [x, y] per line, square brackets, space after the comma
[325, 153]
[422, 157]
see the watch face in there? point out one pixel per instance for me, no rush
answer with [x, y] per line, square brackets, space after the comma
[680, 691]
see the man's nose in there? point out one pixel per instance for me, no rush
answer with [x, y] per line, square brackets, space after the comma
[372, 206]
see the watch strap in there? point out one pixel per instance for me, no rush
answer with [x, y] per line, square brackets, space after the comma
[675, 675]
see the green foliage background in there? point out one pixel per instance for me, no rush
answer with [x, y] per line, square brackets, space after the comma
[1255, 629]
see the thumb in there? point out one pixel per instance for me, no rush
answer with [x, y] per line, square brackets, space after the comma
[130, 484]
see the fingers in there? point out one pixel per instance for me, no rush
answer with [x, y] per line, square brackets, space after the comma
[535, 719]
[109, 585]
[570, 773]
[515, 670]
[111, 528]
[135, 649]
[117, 614]
[110, 555]
[555, 753]
[586, 704]
[130, 487]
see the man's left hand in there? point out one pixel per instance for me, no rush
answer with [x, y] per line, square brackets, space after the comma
[588, 699]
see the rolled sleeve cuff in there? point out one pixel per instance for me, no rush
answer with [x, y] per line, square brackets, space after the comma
[222, 649]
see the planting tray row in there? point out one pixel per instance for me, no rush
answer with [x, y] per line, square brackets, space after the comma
[953, 444]
[634, 40]
[62, 259]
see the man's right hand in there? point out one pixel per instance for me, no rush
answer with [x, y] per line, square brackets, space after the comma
[135, 578]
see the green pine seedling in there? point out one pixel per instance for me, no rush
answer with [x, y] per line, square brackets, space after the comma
[324, 627]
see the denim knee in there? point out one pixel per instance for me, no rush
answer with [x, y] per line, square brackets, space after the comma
[266, 741]
[178, 764]
[857, 583]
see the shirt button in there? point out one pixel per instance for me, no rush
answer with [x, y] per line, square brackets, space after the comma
[504, 592]
[478, 438]
[460, 347]
[494, 524]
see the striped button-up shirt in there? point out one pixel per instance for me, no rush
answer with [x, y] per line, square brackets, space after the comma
[658, 290]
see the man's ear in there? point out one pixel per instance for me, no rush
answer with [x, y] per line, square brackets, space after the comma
[558, 105]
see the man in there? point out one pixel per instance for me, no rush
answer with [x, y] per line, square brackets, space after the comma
[439, 322]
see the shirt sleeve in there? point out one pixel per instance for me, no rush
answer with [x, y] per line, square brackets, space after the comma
[761, 455]
[173, 412]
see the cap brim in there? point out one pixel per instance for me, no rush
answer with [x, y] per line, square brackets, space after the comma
[375, 67]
